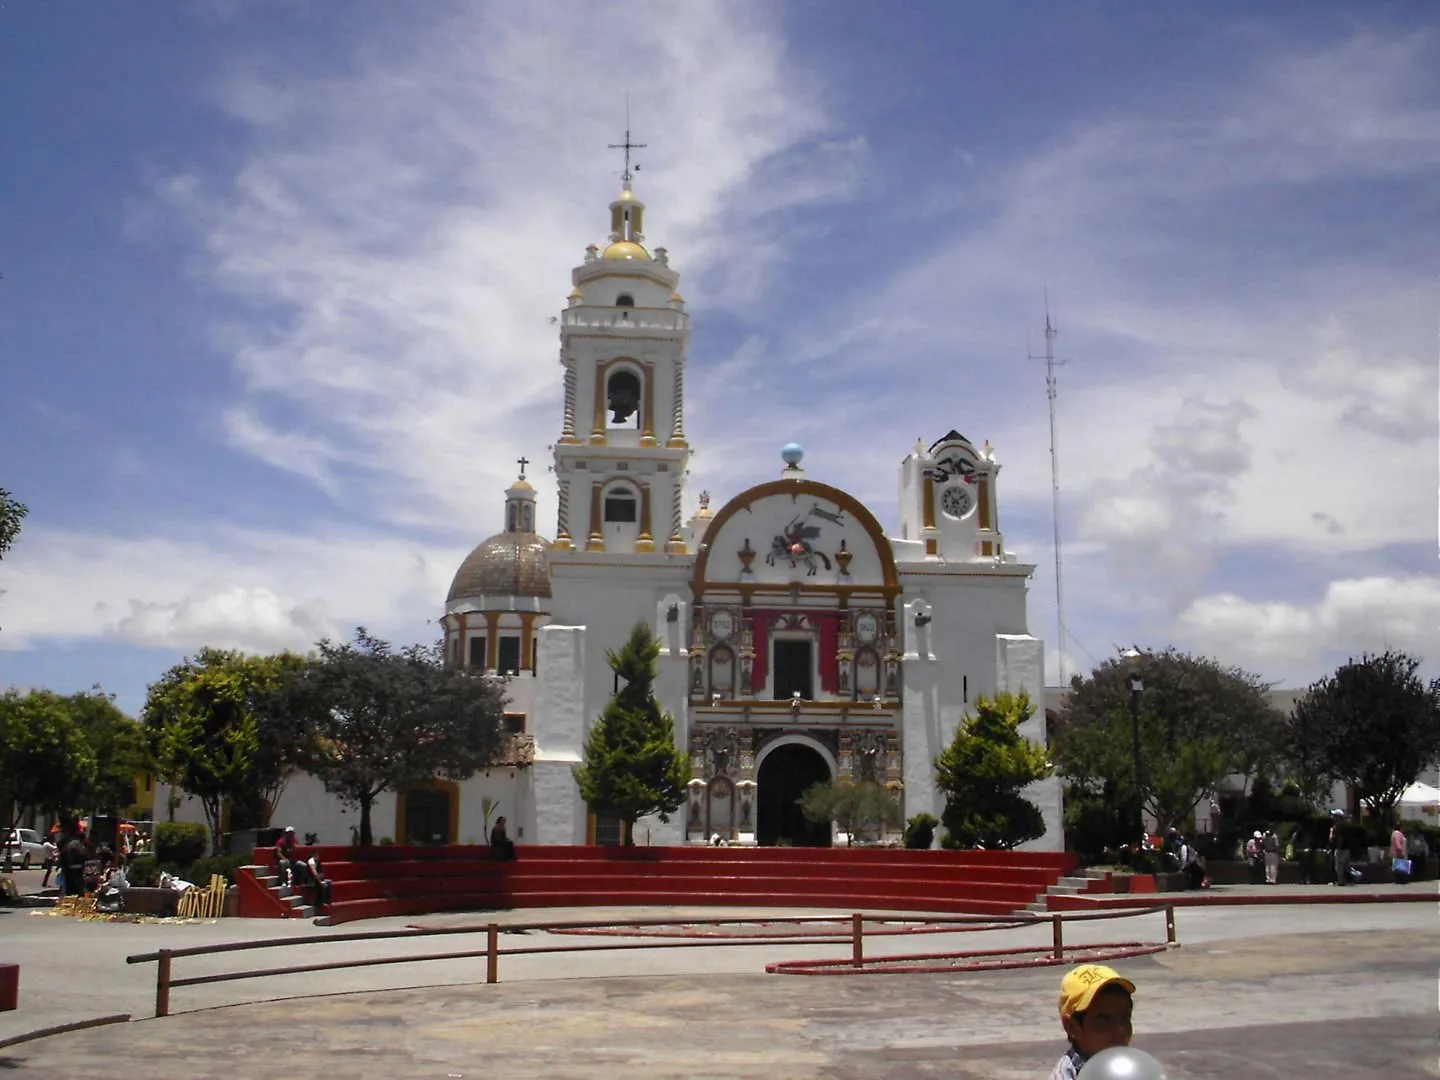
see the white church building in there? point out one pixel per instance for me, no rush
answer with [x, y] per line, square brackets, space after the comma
[800, 641]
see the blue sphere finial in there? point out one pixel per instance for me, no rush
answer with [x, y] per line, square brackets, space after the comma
[791, 453]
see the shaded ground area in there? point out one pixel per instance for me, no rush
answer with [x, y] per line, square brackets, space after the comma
[1322, 1005]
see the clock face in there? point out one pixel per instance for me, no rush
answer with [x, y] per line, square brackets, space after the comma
[866, 628]
[957, 500]
[722, 624]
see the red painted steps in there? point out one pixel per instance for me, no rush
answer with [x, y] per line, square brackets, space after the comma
[368, 883]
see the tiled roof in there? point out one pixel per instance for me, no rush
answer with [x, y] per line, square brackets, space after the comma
[508, 564]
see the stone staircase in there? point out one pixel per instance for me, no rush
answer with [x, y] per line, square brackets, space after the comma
[1066, 886]
[288, 897]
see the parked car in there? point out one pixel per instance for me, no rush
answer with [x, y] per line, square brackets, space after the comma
[24, 846]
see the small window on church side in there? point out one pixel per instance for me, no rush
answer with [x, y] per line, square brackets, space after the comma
[508, 658]
[620, 507]
[624, 300]
[477, 652]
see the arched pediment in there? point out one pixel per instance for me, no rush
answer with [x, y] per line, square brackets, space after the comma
[795, 532]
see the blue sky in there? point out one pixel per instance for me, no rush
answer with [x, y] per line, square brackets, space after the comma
[278, 277]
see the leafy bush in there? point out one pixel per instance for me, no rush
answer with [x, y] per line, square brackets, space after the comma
[225, 865]
[143, 872]
[920, 831]
[180, 842]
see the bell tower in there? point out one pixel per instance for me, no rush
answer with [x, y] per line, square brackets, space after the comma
[621, 457]
[947, 500]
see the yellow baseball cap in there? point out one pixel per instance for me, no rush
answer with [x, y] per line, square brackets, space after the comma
[1079, 987]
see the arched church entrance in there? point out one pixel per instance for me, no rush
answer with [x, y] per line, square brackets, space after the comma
[784, 775]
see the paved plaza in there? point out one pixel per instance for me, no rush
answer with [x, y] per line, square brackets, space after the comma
[1319, 991]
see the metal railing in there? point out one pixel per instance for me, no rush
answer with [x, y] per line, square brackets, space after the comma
[164, 959]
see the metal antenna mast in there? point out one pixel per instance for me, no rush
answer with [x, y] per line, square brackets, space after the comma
[1051, 389]
[627, 145]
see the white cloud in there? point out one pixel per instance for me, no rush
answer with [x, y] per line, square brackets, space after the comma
[405, 226]
[1353, 616]
[259, 591]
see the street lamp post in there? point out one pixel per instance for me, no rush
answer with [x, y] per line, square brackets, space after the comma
[1132, 658]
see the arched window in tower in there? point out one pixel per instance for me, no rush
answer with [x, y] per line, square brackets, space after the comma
[526, 522]
[624, 300]
[622, 398]
[621, 512]
[511, 521]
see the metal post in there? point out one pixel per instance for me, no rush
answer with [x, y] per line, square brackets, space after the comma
[1139, 821]
[857, 939]
[1170, 924]
[1057, 937]
[162, 984]
[492, 953]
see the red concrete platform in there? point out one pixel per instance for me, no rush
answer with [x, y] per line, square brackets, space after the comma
[374, 882]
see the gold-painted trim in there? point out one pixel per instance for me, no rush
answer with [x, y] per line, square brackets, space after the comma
[984, 499]
[527, 640]
[569, 440]
[647, 406]
[462, 654]
[596, 542]
[645, 542]
[987, 548]
[597, 425]
[677, 444]
[927, 503]
[492, 640]
[932, 546]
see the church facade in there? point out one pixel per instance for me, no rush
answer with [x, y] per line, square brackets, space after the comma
[799, 641]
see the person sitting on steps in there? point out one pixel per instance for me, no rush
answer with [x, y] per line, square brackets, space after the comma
[501, 846]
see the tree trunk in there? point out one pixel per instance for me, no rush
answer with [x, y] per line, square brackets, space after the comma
[213, 811]
[366, 836]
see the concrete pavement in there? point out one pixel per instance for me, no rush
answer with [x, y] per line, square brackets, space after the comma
[1338, 990]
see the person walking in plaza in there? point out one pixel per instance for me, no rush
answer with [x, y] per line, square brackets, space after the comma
[1339, 853]
[1255, 857]
[1095, 1011]
[1399, 859]
[1270, 843]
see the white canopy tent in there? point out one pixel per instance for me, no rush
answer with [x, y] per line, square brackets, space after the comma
[1420, 801]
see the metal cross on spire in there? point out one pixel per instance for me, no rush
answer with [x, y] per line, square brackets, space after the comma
[627, 145]
[522, 462]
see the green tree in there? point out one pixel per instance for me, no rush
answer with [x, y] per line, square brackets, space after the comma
[1199, 722]
[117, 743]
[216, 729]
[11, 514]
[46, 762]
[1373, 723]
[631, 766]
[852, 806]
[385, 720]
[983, 772]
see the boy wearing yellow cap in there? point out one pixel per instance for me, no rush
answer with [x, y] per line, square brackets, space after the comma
[1095, 1008]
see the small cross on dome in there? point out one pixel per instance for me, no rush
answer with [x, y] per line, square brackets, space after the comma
[522, 462]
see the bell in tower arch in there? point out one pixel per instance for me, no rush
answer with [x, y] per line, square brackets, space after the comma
[622, 396]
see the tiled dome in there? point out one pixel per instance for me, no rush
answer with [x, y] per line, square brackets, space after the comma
[508, 564]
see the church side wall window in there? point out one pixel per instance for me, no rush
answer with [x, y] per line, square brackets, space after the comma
[514, 723]
[477, 652]
[621, 514]
[621, 506]
[624, 300]
[508, 656]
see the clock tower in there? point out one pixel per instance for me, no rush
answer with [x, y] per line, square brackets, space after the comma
[948, 500]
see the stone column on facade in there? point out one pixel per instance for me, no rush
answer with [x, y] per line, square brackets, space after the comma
[677, 406]
[676, 544]
[647, 408]
[596, 542]
[646, 540]
[567, 423]
[597, 428]
[563, 541]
